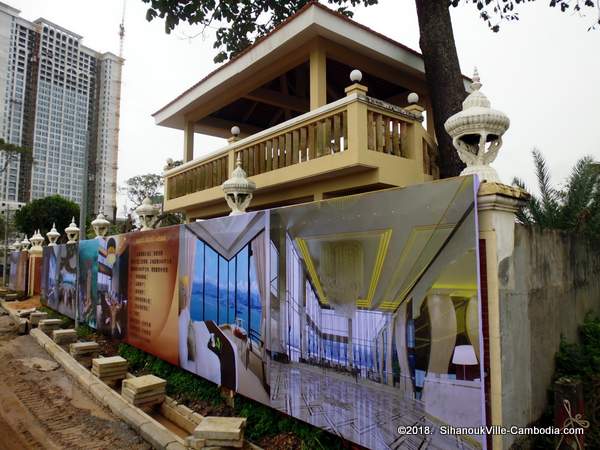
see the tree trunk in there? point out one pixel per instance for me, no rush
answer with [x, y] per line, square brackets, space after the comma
[443, 76]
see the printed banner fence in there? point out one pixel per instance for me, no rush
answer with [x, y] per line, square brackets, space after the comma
[17, 280]
[358, 315]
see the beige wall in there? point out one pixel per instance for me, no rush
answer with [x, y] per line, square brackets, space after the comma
[554, 284]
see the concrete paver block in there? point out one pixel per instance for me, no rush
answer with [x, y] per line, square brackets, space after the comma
[64, 336]
[49, 325]
[144, 391]
[145, 383]
[110, 369]
[36, 316]
[83, 348]
[84, 352]
[221, 428]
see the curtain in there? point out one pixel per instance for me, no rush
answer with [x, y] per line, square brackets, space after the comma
[260, 259]
[186, 267]
[187, 341]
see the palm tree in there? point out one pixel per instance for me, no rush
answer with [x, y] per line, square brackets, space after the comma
[573, 207]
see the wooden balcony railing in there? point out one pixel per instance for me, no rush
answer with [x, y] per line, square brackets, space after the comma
[356, 123]
[386, 133]
[430, 156]
[205, 175]
[326, 135]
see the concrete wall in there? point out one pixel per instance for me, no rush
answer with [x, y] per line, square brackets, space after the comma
[546, 288]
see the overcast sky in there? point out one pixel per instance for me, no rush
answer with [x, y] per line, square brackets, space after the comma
[543, 71]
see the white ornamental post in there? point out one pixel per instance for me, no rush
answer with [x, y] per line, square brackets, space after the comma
[476, 133]
[147, 213]
[53, 236]
[17, 245]
[72, 232]
[100, 226]
[25, 244]
[36, 240]
[238, 190]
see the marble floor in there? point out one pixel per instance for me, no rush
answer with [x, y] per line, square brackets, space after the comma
[364, 414]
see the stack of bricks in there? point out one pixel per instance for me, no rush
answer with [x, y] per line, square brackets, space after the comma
[62, 337]
[110, 370]
[84, 352]
[49, 325]
[36, 317]
[218, 432]
[145, 391]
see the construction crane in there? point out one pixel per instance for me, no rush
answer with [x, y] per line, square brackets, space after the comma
[122, 30]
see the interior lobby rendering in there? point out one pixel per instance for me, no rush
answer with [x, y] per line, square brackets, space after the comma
[374, 313]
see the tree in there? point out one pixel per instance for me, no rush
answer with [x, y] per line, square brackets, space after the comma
[444, 79]
[440, 58]
[149, 185]
[246, 19]
[11, 223]
[242, 22]
[494, 11]
[142, 186]
[573, 207]
[12, 153]
[42, 213]
[166, 219]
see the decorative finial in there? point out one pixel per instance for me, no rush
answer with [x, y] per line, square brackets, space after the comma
[476, 84]
[476, 133]
[413, 98]
[356, 76]
[147, 214]
[72, 232]
[238, 189]
[53, 235]
[25, 243]
[36, 240]
[235, 130]
[100, 226]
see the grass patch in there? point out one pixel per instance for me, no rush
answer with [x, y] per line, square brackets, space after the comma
[84, 331]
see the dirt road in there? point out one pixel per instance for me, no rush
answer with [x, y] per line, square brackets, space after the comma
[42, 408]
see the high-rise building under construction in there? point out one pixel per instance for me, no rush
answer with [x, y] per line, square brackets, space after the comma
[60, 99]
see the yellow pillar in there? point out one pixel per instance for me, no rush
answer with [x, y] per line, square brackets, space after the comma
[497, 205]
[413, 143]
[318, 77]
[357, 122]
[188, 141]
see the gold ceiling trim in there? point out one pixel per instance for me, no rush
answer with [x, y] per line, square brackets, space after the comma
[410, 242]
[301, 243]
[391, 305]
[384, 243]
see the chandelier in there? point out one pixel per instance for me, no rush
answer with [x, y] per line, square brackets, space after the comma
[342, 274]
